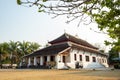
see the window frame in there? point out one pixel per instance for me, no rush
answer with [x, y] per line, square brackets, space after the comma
[80, 57]
[93, 59]
[87, 58]
[75, 57]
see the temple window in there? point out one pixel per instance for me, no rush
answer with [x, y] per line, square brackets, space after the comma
[52, 58]
[80, 57]
[87, 58]
[75, 57]
[94, 59]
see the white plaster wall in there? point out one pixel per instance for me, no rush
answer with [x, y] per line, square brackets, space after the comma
[59, 63]
[71, 61]
[86, 64]
[96, 64]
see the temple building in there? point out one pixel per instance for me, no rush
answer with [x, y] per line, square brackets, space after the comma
[66, 51]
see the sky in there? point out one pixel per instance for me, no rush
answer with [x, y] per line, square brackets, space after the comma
[19, 23]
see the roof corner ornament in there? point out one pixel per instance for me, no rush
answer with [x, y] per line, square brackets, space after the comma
[76, 36]
[64, 31]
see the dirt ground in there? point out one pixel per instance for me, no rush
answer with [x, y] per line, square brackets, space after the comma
[28, 74]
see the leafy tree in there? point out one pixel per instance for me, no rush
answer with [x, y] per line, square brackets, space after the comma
[3, 52]
[24, 48]
[14, 52]
[106, 13]
[11, 52]
[34, 46]
[113, 53]
[28, 47]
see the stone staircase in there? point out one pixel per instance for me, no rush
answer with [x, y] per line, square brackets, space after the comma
[95, 65]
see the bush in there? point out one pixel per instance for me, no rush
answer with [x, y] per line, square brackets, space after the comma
[51, 64]
[117, 66]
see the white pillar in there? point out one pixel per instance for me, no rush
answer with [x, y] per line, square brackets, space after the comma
[29, 61]
[90, 57]
[61, 59]
[41, 60]
[48, 58]
[58, 58]
[20, 64]
[83, 59]
[119, 54]
[71, 55]
[23, 60]
[35, 61]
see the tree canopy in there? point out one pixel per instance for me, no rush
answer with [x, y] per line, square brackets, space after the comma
[12, 52]
[106, 13]
[113, 53]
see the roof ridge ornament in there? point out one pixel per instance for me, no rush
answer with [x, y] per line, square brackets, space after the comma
[64, 31]
[76, 36]
[67, 35]
[69, 43]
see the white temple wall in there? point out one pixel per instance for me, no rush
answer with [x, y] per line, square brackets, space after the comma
[101, 61]
[59, 63]
[87, 64]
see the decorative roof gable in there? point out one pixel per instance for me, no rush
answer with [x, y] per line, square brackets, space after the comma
[63, 43]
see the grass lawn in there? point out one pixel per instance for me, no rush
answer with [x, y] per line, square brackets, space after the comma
[59, 75]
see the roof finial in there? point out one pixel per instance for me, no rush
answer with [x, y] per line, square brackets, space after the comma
[64, 31]
[76, 36]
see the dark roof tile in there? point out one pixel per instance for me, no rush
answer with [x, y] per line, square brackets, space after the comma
[67, 37]
[50, 50]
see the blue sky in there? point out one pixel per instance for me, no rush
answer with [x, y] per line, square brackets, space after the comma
[20, 23]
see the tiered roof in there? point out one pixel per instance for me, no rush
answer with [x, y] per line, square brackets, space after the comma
[66, 41]
[51, 50]
[67, 37]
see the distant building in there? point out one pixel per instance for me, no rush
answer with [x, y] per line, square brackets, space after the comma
[67, 51]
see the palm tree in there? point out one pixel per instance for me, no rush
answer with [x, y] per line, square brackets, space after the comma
[3, 52]
[34, 46]
[24, 48]
[28, 47]
[14, 52]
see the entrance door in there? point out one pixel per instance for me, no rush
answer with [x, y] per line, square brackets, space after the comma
[64, 59]
[45, 60]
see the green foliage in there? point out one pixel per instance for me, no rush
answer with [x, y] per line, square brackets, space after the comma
[19, 2]
[68, 0]
[40, 10]
[106, 13]
[11, 52]
[113, 53]
[107, 43]
[3, 51]
[6, 61]
[44, 0]
[51, 64]
[108, 19]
